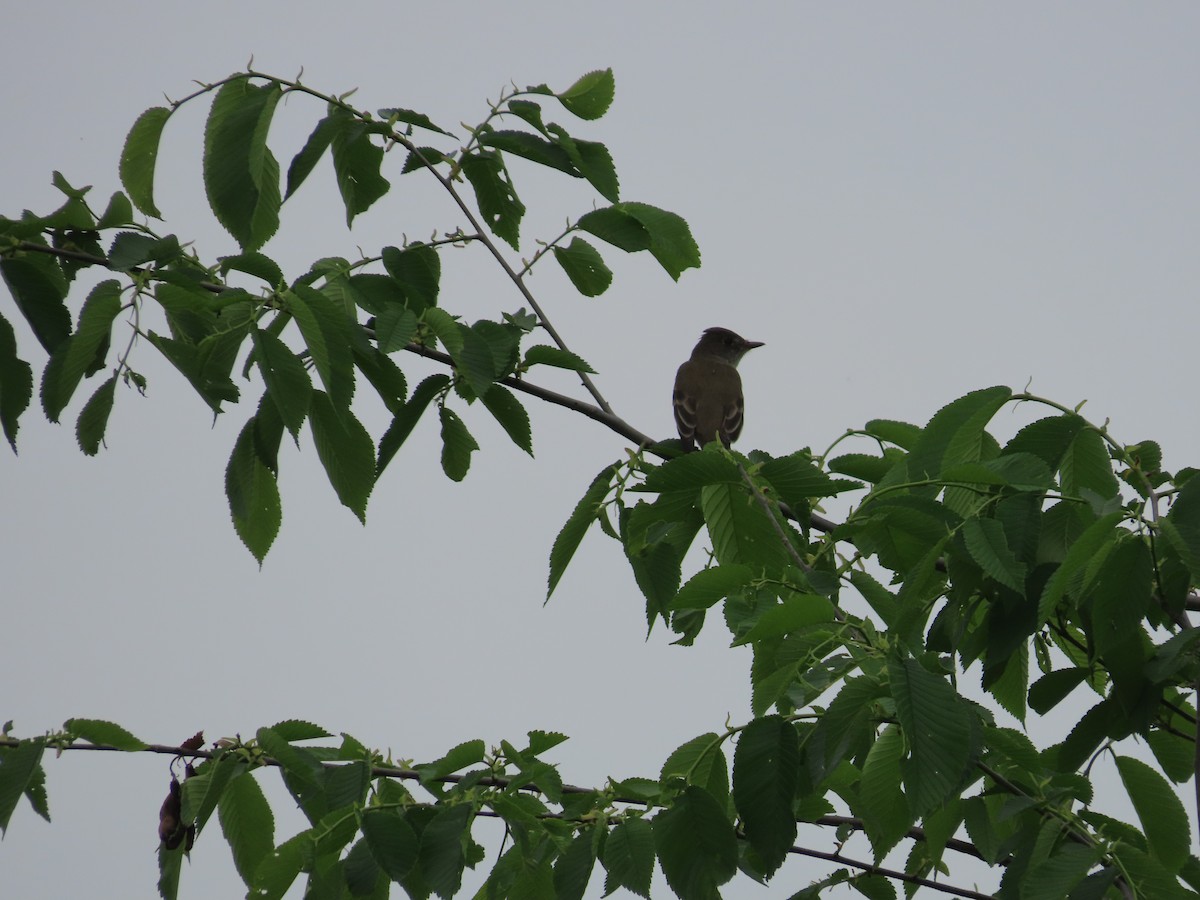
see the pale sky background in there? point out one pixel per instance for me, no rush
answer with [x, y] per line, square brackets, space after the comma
[905, 201]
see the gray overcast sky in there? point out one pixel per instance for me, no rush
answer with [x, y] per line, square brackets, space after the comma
[905, 201]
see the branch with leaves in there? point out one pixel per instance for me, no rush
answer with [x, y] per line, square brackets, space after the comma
[1045, 561]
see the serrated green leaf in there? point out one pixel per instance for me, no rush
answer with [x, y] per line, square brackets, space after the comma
[740, 529]
[324, 328]
[392, 841]
[407, 417]
[288, 384]
[384, 375]
[241, 175]
[542, 354]
[937, 730]
[441, 854]
[418, 270]
[531, 147]
[93, 418]
[696, 845]
[475, 361]
[253, 495]
[701, 762]
[98, 731]
[881, 803]
[1160, 811]
[902, 434]
[279, 869]
[671, 241]
[310, 154]
[1053, 687]
[955, 433]
[257, 264]
[248, 825]
[708, 586]
[1057, 876]
[356, 163]
[766, 768]
[511, 415]
[628, 857]
[457, 445]
[16, 383]
[118, 212]
[408, 117]
[1081, 553]
[571, 534]
[1182, 526]
[585, 267]
[593, 161]
[79, 352]
[346, 451]
[796, 612]
[590, 96]
[989, 548]
[1088, 467]
[139, 156]
[19, 767]
[395, 326]
[616, 226]
[502, 210]
[38, 287]
[573, 868]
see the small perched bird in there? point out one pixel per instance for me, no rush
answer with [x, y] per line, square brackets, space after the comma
[708, 390]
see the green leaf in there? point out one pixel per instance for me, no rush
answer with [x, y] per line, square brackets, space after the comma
[205, 365]
[408, 117]
[708, 586]
[577, 524]
[795, 613]
[418, 270]
[346, 451]
[93, 418]
[1053, 687]
[457, 445]
[475, 361]
[356, 163]
[170, 863]
[955, 434]
[287, 380]
[1182, 526]
[248, 825]
[310, 154]
[395, 327]
[671, 241]
[324, 328]
[1080, 555]
[590, 96]
[253, 495]
[279, 869]
[19, 768]
[16, 383]
[441, 855]
[573, 868]
[384, 375]
[696, 845]
[100, 732]
[511, 415]
[1088, 467]
[118, 212]
[1159, 810]
[541, 354]
[38, 287]
[1120, 597]
[392, 840]
[1055, 877]
[617, 227]
[766, 768]
[497, 198]
[241, 175]
[740, 529]
[593, 161]
[585, 267]
[937, 730]
[701, 762]
[531, 147]
[881, 804]
[78, 353]
[988, 546]
[797, 478]
[628, 857]
[407, 417]
[139, 156]
[257, 264]
[902, 434]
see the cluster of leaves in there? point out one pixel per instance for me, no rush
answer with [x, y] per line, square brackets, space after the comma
[1007, 556]
[1046, 560]
[212, 326]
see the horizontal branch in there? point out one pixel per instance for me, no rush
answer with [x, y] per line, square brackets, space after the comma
[405, 774]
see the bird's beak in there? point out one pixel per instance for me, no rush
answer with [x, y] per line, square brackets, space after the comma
[750, 345]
